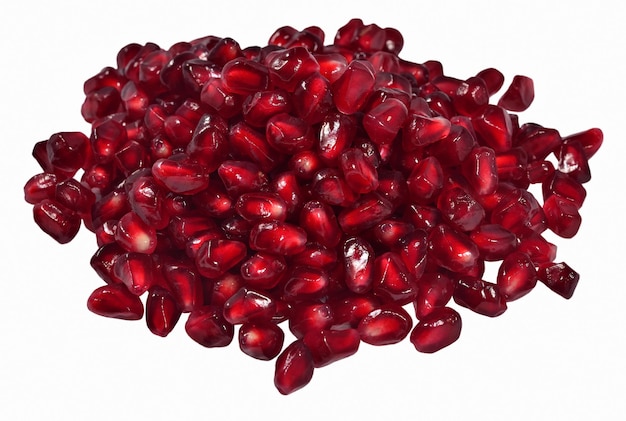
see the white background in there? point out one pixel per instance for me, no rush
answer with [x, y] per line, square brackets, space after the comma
[545, 358]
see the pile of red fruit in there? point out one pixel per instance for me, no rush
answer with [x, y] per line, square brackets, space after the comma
[330, 187]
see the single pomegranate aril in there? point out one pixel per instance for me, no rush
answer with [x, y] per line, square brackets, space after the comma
[562, 216]
[590, 140]
[437, 330]
[517, 276]
[460, 209]
[289, 67]
[115, 301]
[263, 270]
[392, 280]
[421, 130]
[383, 122]
[310, 317]
[135, 270]
[184, 284]
[289, 134]
[425, 180]
[56, 220]
[40, 187]
[278, 237]
[134, 235]
[434, 291]
[559, 277]
[248, 305]
[358, 171]
[320, 223]
[328, 346]
[365, 214]
[241, 177]
[352, 89]
[162, 312]
[564, 186]
[242, 76]
[495, 129]
[493, 241]
[336, 134]
[479, 296]
[573, 161]
[262, 341]
[480, 170]
[216, 257]
[519, 95]
[207, 326]
[305, 283]
[67, 151]
[386, 325]
[180, 175]
[493, 78]
[452, 249]
[261, 206]
[294, 368]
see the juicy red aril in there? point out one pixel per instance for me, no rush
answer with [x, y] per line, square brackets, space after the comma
[326, 186]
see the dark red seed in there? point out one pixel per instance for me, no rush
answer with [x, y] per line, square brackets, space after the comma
[517, 276]
[289, 134]
[519, 95]
[261, 106]
[480, 170]
[392, 279]
[564, 186]
[162, 312]
[452, 249]
[261, 206]
[305, 283]
[421, 130]
[437, 330]
[559, 277]
[331, 188]
[359, 173]
[493, 78]
[386, 325]
[479, 296]
[115, 301]
[455, 148]
[209, 142]
[67, 151]
[366, 213]
[328, 346]
[243, 77]
[434, 292]
[278, 237]
[307, 317]
[494, 128]
[184, 284]
[289, 67]
[562, 216]
[336, 134]
[241, 177]
[425, 180]
[392, 232]
[207, 326]
[40, 187]
[135, 270]
[493, 241]
[352, 89]
[317, 256]
[215, 95]
[590, 140]
[320, 223]
[248, 305]
[460, 209]
[180, 175]
[216, 257]
[294, 368]
[56, 220]
[134, 235]
[262, 341]
[263, 270]
[383, 122]
[573, 161]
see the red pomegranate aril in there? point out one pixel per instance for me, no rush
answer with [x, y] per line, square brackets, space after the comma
[278, 238]
[305, 164]
[40, 187]
[196, 73]
[162, 312]
[289, 134]
[452, 249]
[460, 209]
[262, 341]
[562, 216]
[358, 261]
[106, 138]
[59, 222]
[538, 248]
[330, 187]
[134, 235]
[243, 77]
[537, 141]
[425, 180]
[493, 241]
[494, 128]
[289, 67]
[184, 284]
[216, 257]
[392, 186]
[294, 368]
[386, 325]
[317, 256]
[313, 99]
[261, 206]
[263, 270]
[105, 234]
[178, 129]
[421, 130]
[564, 186]
[471, 96]
[390, 233]
[180, 175]
[214, 94]
[559, 277]
[352, 89]
[261, 106]
[480, 170]
[392, 279]
[248, 305]
[108, 76]
[286, 186]
[305, 283]
[214, 201]
[359, 173]
[196, 240]
[383, 122]
[348, 310]
[423, 217]
[519, 95]
[413, 249]
[336, 134]
[365, 214]
[182, 229]
[241, 177]
[453, 149]
[67, 151]
[479, 296]
[309, 317]
[146, 200]
[319, 221]
[516, 276]
[115, 301]
[493, 78]
[437, 330]
[511, 165]
[101, 103]
[103, 260]
[539, 171]
[573, 161]
[590, 140]
[224, 50]
[434, 291]
[209, 142]
[135, 270]
[328, 346]
[207, 327]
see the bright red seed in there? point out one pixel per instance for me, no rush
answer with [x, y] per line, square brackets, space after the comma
[56, 220]
[262, 341]
[162, 311]
[386, 325]
[115, 301]
[519, 95]
[328, 346]
[294, 368]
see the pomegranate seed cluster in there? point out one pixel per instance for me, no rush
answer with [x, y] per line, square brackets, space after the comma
[330, 190]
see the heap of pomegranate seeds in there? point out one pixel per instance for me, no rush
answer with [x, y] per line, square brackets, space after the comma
[324, 188]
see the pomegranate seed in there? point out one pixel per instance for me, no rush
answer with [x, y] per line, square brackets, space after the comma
[437, 330]
[519, 95]
[358, 260]
[328, 346]
[391, 232]
[559, 277]
[572, 161]
[313, 99]
[421, 130]
[383, 122]
[215, 257]
[40, 187]
[261, 206]
[434, 292]
[305, 283]
[455, 148]
[564, 186]
[354, 86]
[331, 188]
[480, 170]
[386, 325]
[134, 235]
[162, 312]
[241, 177]
[289, 67]
[56, 220]
[260, 106]
[460, 209]
[146, 199]
[248, 305]
[359, 173]
[184, 284]
[537, 141]
[493, 241]
[289, 134]
[278, 238]
[365, 214]
[479, 296]
[115, 301]
[493, 78]
[208, 143]
[263, 270]
[223, 288]
[590, 140]
[180, 175]
[294, 368]
[336, 134]
[317, 256]
[215, 95]
[67, 151]
[262, 341]
[517, 276]
[426, 180]
[242, 76]
[562, 216]
[495, 129]
[320, 223]
[392, 279]
[207, 326]
[452, 249]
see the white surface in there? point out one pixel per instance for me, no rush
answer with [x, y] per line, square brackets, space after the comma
[545, 358]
